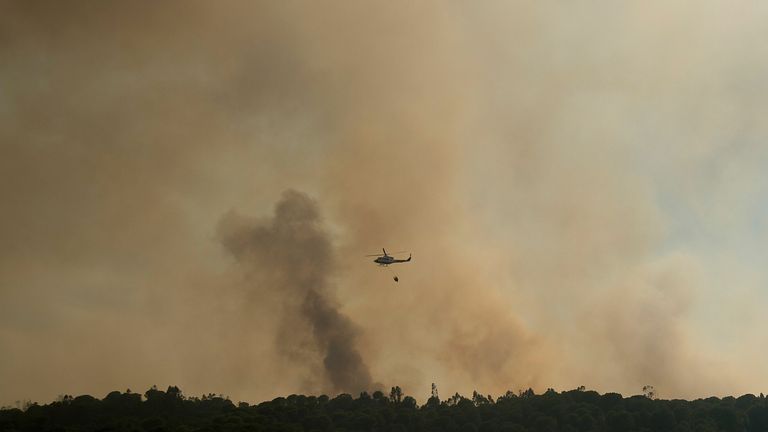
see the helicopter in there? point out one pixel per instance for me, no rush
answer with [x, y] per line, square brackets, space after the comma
[386, 259]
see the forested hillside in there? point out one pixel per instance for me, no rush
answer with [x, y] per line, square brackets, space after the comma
[570, 411]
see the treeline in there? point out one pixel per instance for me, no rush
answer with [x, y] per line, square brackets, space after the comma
[570, 411]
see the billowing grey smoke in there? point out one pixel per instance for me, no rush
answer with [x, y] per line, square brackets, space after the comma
[290, 255]
[576, 184]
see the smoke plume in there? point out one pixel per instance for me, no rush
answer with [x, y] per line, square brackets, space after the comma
[291, 254]
[582, 188]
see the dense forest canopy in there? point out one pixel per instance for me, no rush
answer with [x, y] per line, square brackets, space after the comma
[576, 410]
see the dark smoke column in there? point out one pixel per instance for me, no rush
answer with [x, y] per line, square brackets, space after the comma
[291, 254]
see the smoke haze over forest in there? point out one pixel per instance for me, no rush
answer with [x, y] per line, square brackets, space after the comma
[188, 190]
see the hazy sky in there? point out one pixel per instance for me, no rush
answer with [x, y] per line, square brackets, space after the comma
[188, 188]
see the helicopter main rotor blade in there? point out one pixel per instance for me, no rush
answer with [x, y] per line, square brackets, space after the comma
[388, 253]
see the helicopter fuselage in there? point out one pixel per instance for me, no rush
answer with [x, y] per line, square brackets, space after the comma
[387, 260]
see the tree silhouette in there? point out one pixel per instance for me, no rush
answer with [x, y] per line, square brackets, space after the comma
[649, 392]
[396, 394]
[577, 410]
